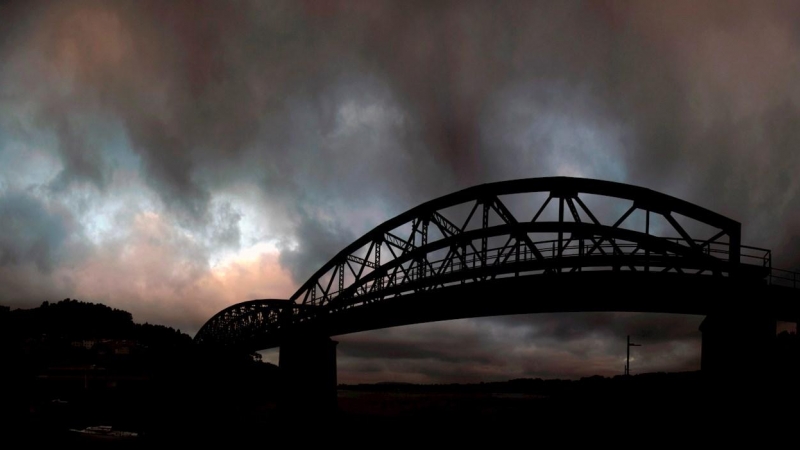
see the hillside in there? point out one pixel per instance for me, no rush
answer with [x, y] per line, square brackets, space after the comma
[72, 320]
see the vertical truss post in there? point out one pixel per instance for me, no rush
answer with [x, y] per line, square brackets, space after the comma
[341, 278]
[560, 229]
[484, 242]
[421, 269]
[379, 280]
[647, 249]
[474, 256]
[463, 260]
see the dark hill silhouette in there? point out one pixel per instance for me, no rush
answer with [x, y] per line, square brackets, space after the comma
[70, 320]
[72, 364]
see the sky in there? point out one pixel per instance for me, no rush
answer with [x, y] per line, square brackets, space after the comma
[174, 158]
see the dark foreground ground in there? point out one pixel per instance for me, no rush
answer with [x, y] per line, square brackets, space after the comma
[646, 409]
[71, 365]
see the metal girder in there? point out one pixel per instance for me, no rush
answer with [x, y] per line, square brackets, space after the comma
[418, 258]
[398, 242]
[263, 314]
[445, 225]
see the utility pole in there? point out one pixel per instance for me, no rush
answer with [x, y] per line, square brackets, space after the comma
[628, 359]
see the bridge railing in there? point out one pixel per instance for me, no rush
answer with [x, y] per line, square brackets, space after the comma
[549, 249]
[780, 277]
[632, 256]
[749, 255]
[763, 257]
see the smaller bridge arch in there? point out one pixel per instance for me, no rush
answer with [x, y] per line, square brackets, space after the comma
[243, 322]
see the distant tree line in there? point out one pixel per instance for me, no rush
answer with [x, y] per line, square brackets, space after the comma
[71, 320]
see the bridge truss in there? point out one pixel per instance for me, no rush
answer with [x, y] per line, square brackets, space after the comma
[480, 234]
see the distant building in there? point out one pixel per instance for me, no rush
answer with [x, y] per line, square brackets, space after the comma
[119, 346]
[107, 346]
[87, 377]
[88, 344]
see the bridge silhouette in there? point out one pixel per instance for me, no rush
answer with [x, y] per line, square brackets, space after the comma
[474, 253]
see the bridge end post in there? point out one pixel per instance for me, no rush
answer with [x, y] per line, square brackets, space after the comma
[308, 372]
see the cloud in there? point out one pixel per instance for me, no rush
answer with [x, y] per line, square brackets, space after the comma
[321, 241]
[155, 271]
[31, 232]
[526, 346]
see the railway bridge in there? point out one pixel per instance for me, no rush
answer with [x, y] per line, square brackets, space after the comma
[536, 245]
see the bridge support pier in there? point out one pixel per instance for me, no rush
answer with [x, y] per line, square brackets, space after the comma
[737, 345]
[308, 371]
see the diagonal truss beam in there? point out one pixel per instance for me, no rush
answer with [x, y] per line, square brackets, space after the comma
[509, 218]
[419, 260]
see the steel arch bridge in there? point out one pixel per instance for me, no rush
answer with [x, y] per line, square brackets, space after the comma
[467, 254]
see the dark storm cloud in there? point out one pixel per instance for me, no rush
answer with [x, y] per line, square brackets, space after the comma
[343, 114]
[656, 328]
[713, 110]
[320, 241]
[212, 93]
[378, 348]
[83, 161]
[531, 346]
[226, 226]
[31, 233]
[209, 93]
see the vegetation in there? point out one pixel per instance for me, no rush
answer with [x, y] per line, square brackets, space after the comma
[73, 320]
[72, 364]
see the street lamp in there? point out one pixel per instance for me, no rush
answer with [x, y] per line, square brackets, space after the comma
[628, 360]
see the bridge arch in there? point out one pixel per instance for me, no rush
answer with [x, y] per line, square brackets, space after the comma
[427, 251]
[244, 321]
